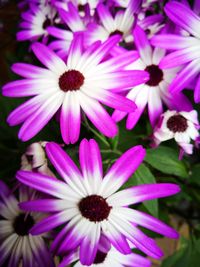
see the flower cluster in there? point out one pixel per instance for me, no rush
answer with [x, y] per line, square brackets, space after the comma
[94, 63]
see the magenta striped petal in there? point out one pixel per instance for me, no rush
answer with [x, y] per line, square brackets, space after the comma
[147, 221]
[122, 169]
[46, 185]
[25, 110]
[94, 57]
[184, 17]
[142, 45]
[105, 17]
[89, 245]
[90, 161]
[141, 193]
[27, 87]
[49, 58]
[118, 62]
[70, 118]
[53, 221]
[46, 205]
[41, 117]
[136, 236]
[98, 115]
[120, 80]
[25, 35]
[74, 233]
[115, 101]
[179, 57]
[30, 71]
[116, 238]
[155, 108]
[75, 51]
[172, 41]
[185, 76]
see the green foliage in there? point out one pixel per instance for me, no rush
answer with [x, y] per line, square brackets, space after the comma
[165, 159]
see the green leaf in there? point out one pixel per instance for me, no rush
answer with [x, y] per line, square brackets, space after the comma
[195, 174]
[187, 256]
[166, 160]
[144, 176]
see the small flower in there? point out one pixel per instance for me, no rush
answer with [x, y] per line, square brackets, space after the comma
[182, 126]
[121, 23]
[35, 21]
[78, 85]
[90, 206]
[186, 48]
[16, 243]
[154, 91]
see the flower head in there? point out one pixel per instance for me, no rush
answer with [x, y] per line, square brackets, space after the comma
[182, 126]
[89, 205]
[16, 243]
[79, 85]
[154, 91]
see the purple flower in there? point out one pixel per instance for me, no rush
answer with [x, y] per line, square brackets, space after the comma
[35, 21]
[78, 85]
[16, 243]
[182, 126]
[89, 205]
[186, 48]
[121, 23]
[154, 91]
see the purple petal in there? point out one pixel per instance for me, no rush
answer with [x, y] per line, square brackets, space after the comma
[49, 58]
[98, 115]
[183, 16]
[122, 169]
[142, 193]
[46, 184]
[70, 118]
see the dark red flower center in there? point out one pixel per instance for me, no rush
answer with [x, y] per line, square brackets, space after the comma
[71, 80]
[23, 223]
[116, 32]
[46, 23]
[94, 208]
[100, 257]
[177, 123]
[155, 75]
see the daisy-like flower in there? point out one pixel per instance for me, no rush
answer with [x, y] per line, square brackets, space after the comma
[187, 48]
[78, 85]
[17, 245]
[182, 126]
[90, 206]
[70, 16]
[108, 256]
[121, 23]
[35, 21]
[155, 90]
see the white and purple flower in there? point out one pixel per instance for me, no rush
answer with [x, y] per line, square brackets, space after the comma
[89, 206]
[186, 48]
[154, 91]
[17, 245]
[181, 126]
[72, 87]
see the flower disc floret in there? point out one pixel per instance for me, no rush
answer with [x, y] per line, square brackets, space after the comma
[177, 123]
[71, 80]
[155, 75]
[23, 223]
[95, 208]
